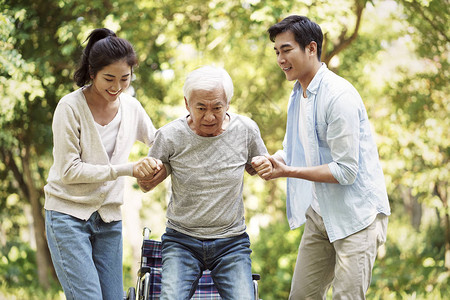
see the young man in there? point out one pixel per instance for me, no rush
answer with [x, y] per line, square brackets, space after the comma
[335, 182]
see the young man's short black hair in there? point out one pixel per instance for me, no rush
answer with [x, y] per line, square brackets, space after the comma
[304, 30]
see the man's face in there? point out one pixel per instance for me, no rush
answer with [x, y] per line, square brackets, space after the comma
[207, 110]
[295, 62]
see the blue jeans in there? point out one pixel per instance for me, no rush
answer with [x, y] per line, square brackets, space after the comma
[87, 255]
[184, 258]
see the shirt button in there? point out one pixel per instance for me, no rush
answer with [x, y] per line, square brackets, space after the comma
[102, 195]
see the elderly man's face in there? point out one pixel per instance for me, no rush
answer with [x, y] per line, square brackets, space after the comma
[207, 111]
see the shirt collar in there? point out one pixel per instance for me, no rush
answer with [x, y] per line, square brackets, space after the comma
[315, 82]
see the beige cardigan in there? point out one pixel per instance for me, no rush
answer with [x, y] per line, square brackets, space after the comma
[83, 179]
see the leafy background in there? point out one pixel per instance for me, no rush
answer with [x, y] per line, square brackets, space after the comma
[395, 52]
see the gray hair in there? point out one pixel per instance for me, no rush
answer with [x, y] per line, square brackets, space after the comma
[208, 78]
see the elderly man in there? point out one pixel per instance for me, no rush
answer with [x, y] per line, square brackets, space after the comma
[206, 152]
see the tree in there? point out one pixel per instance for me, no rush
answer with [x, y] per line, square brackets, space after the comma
[427, 111]
[22, 171]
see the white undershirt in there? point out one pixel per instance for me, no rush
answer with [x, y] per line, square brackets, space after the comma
[108, 133]
[304, 140]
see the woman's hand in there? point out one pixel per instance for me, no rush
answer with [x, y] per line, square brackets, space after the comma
[147, 167]
[147, 184]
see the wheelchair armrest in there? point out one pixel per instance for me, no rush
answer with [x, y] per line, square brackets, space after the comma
[256, 276]
[143, 270]
[146, 233]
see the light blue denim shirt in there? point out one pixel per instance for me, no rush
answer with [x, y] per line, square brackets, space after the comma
[339, 134]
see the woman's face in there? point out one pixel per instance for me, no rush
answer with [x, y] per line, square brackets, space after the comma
[112, 80]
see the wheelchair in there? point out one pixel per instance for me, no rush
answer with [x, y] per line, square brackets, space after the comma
[148, 284]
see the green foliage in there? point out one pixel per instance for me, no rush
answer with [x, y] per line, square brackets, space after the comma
[413, 264]
[18, 264]
[416, 145]
[18, 259]
[18, 88]
[30, 293]
[429, 18]
[274, 256]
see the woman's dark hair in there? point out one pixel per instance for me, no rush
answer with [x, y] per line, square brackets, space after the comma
[103, 48]
[304, 30]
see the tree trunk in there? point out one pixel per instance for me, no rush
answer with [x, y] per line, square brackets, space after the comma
[343, 41]
[441, 190]
[43, 259]
[412, 206]
[447, 242]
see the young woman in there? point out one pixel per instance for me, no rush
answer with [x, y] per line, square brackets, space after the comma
[94, 129]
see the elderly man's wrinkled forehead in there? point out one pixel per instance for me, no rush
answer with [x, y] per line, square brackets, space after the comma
[213, 94]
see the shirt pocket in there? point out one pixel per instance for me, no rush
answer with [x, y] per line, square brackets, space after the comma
[321, 129]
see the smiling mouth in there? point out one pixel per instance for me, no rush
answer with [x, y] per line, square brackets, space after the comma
[287, 69]
[114, 94]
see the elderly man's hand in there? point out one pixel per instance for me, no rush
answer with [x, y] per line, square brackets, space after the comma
[263, 166]
[148, 183]
[144, 184]
[147, 167]
[250, 169]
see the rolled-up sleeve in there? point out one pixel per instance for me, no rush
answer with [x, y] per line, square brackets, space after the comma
[343, 130]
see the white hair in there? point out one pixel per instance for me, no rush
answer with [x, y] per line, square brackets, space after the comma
[208, 78]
